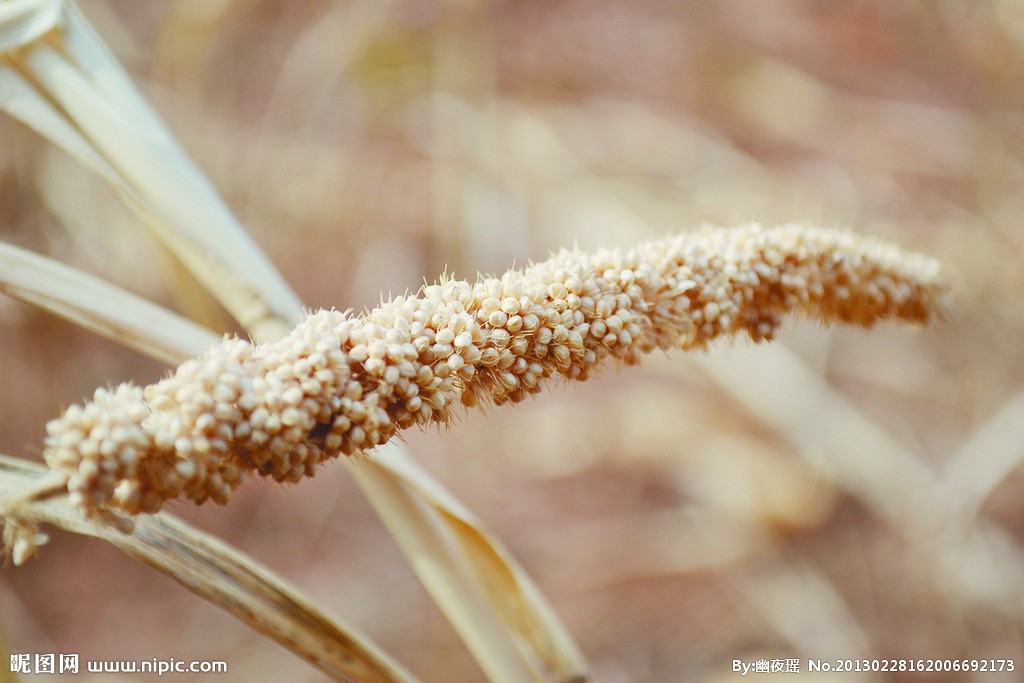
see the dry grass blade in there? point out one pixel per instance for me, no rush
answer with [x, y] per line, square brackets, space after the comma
[100, 307]
[20, 98]
[990, 455]
[103, 121]
[215, 572]
[805, 608]
[22, 21]
[866, 461]
[496, 608]
[782, 390]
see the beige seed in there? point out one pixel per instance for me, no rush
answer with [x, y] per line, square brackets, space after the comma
[497, 319]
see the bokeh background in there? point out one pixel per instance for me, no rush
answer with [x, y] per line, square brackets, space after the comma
[839, 494]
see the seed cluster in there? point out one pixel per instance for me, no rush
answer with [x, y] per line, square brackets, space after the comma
[339, 383]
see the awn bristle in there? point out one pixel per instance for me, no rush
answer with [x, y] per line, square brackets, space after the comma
[339, 383]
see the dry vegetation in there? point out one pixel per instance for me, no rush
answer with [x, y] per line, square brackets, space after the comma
[835, 494]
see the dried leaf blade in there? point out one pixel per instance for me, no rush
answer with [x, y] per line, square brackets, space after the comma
[529, 627]
[218, 573]
[100, 306]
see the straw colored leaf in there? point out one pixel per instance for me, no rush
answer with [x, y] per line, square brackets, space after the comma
[804, 607]
[98, 116]
[496, 608]
[984, 461]
[871, 465]
[217, 573]
[100, 307]
[23, 21]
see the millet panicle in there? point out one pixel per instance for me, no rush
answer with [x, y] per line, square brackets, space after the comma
[341, 383]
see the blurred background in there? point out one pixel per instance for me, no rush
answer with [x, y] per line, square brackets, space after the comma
[838, 494]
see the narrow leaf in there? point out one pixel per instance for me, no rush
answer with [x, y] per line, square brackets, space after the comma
[217, 573]
[91, 92]
[22, 21]
[100, 306]
[471, 575]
